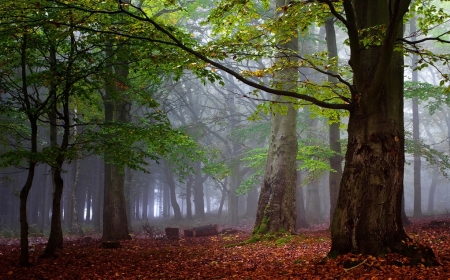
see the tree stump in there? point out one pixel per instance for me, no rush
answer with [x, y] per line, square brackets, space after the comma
[188, 233]
[110, 245]
[172, 233]
[206, 230]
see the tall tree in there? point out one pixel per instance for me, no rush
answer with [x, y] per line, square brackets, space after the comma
[115, 221]
[334, 130]
[368, 212]
[276, 205]
[416, 132]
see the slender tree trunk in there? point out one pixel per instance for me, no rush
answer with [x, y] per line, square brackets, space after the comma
[115, 222]
[199, 198]
[252, 202]
[233, 198]
[55, 240]
[300, 204]
[432, 192]
[334, 131]
[416, 134]
[76, 223]
[188, 197]
[173, 195]
[145, 192]
[222, 197]
[24, 256]
[151, 200]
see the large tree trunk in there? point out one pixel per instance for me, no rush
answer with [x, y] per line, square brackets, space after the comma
[367, 218]
[276, 205]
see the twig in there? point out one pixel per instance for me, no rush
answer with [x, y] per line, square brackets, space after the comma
[350, 268]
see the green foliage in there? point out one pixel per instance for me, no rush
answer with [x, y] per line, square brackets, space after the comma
[434, 97]
[313, 156]
[441, 159]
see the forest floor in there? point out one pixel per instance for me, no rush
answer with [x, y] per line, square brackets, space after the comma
[150, 256]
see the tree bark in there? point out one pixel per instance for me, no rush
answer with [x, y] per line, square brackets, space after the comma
[76, 223]
[300, 204]
[199, 201]
[367, 218]
[432, 191]
[115, 222]
[24, 254]
[55, 240]
[334, 130]
[416, 133]
[276, 205]
[173, 195]
[189, 183]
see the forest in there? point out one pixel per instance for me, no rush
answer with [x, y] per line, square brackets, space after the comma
[226, 139]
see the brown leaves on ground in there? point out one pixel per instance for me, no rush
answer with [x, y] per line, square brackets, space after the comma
[218, 257]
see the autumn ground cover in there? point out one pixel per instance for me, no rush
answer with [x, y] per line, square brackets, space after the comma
[223, 257]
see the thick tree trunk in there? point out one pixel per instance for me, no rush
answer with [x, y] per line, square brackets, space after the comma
[276, 205]
[367, 218]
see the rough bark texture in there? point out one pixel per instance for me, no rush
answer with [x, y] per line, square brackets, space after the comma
[276, 205]
[367, 218]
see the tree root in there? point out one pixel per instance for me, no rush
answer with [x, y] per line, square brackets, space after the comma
[418, 253]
